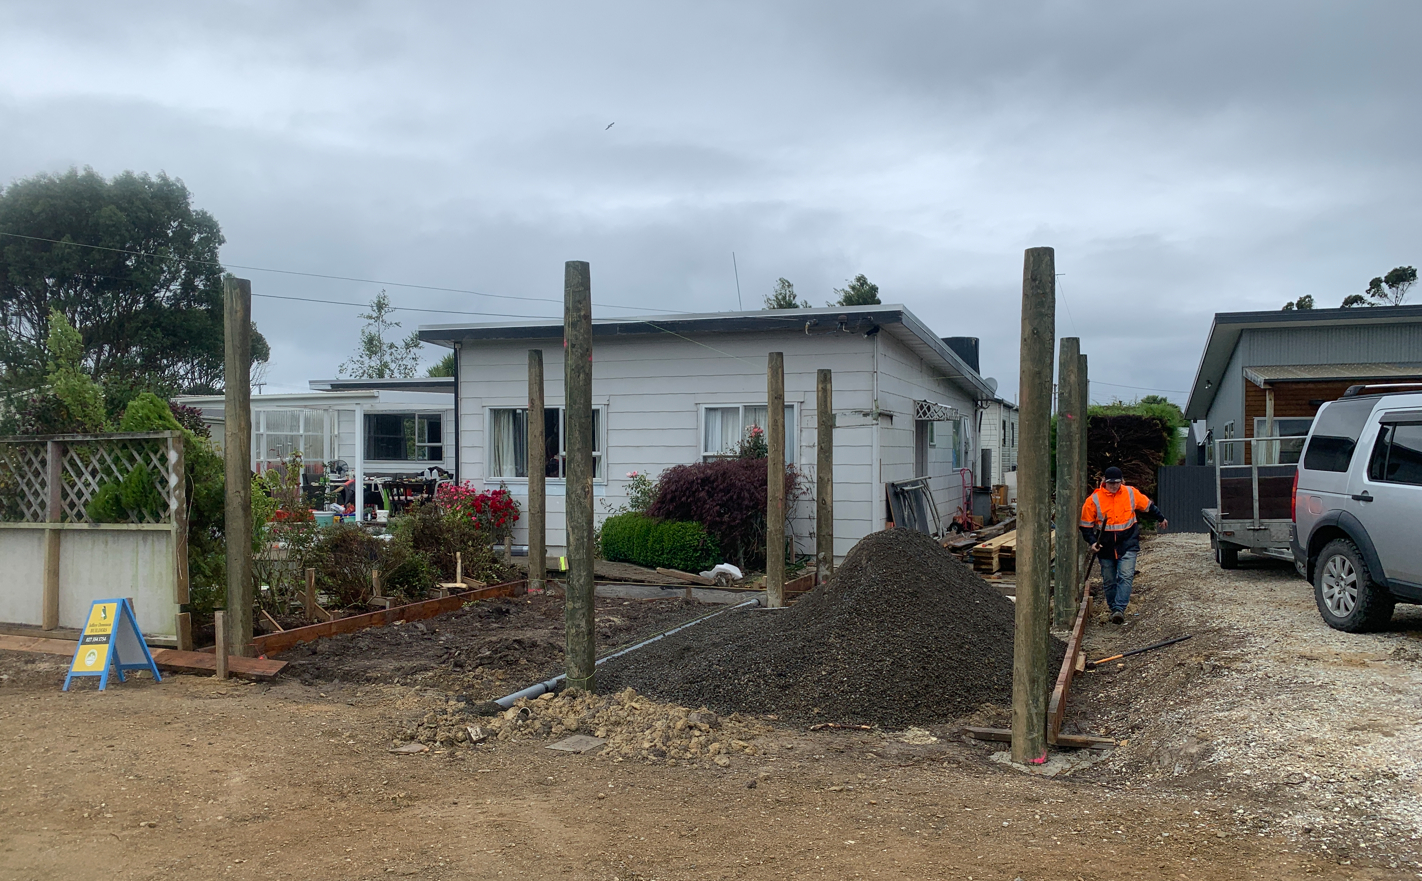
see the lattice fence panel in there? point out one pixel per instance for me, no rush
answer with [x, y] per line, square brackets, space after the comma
[24, 486]
[87, 464]
[932, 411]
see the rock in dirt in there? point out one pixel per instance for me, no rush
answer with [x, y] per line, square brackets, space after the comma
[902, 635]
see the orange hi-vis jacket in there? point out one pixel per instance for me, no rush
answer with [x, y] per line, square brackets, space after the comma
[1110, 518]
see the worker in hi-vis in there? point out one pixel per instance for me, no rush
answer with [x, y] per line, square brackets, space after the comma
[1108, 523]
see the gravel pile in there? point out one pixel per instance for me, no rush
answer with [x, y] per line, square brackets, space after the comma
[902, 635]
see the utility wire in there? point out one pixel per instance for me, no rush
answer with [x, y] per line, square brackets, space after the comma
[398, 284]
[1174, 391]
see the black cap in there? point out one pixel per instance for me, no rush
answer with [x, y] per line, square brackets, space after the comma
[1113, 473]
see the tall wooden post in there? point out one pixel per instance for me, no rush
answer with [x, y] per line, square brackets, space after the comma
[54, 513]
[1069, 415]
[775, 481]
[577, 379]
[537, 476]
[1034, 567]
[1083, 468]
[237, 455]
[177, 480]
[824, 476]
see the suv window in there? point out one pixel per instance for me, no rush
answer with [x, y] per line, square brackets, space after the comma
[1397, 456]
[1335, 434]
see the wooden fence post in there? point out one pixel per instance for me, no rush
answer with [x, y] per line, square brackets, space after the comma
[537, 474]
[1029, 657]
[1069, 415]
[775, 481]
[237, 455]
[221, 649]
[578, 606]
[308, 599]
[1083, 467]
[54, 513]
[824, 476]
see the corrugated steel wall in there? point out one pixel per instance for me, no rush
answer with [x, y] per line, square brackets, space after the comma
[1183, 490]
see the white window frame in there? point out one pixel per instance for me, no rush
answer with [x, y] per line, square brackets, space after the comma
[260, 458]
[421, 418]
[599, 454]
[791, 444]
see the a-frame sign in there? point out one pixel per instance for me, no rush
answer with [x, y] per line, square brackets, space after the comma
[111, 641]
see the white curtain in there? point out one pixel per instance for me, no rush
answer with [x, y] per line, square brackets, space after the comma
[508, 445]
[723, 429]
[756, 414]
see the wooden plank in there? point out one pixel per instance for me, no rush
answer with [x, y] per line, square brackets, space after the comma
[275, 643]
[1056, 707]
[686, 576]
[39, 644]
[1072, 741]
[175, 661]
[272, 621]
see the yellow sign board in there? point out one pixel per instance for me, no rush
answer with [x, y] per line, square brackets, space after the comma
[111, 641]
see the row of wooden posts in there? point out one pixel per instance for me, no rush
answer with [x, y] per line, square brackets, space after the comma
[1046, 594]
[236, 625]
[1035, 573]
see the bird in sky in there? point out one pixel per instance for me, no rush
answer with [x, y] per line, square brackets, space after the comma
[610, 125]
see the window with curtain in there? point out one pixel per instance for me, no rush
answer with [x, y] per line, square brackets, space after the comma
[277, 434]
[508, 442]
[725, 426]
[404, 437]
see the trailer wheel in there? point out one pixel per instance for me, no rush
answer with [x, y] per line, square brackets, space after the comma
[1227, 557]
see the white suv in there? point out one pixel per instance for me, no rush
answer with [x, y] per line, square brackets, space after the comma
[1358, 506]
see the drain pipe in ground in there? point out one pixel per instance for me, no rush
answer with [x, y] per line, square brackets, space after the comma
[549, 685]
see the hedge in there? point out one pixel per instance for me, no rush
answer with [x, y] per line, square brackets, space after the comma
[637, 538]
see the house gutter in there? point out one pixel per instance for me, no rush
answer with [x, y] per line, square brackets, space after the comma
[881, 515]
[548, 685]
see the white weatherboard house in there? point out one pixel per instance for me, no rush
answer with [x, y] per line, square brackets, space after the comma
[677, 389]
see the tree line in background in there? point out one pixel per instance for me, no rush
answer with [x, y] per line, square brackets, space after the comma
[117, 281]
[1385, 290]
[859, 292]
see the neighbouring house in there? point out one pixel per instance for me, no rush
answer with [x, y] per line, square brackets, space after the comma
[1265, 374]
[373, 427]
[677, 389]
[999, 443]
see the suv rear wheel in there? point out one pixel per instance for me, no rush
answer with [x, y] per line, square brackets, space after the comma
[1347, 598]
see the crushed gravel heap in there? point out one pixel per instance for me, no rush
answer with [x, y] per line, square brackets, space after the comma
[635, 727]
[903, 634]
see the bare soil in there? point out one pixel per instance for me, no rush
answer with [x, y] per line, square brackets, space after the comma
[483, 651]
[199, 778]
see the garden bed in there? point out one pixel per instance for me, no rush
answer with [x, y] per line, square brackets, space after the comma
[485, 650]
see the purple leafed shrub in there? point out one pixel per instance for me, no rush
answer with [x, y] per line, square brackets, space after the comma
[727, 496]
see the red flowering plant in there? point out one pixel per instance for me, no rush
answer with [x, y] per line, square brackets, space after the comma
[492, 510]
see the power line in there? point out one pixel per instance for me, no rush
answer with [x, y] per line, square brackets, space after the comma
[1173, 391]
[397, 284]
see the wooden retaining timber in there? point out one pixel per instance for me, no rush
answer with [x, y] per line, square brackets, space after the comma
[1074, 661]
[275, 643]
[260, 669]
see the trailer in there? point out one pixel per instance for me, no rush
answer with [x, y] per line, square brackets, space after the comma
[1254, 493]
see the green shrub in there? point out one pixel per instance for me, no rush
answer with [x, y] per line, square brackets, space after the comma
[134, 499]
[637, 538]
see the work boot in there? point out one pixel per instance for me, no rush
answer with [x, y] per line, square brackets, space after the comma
[1118, 617]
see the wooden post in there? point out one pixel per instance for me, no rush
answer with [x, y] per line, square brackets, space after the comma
[54, 513]
[1069, 415]
[1029, 654]
[775, 481]
[1083, 468]
[375, 583]
[178, 465]
[537, 474]
[185, 631]
[308, 599]
[1271, 449]
[824, 476]
[237, 455]
[222, 649]
[577, 381]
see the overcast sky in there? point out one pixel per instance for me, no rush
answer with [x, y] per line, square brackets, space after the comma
[1183, 159]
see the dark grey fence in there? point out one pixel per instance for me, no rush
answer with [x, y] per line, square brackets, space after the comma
[1183, 490]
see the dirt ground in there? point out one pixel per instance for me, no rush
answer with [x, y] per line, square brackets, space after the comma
[1267, 746]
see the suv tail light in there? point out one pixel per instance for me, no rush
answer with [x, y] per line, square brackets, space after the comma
[1294, 499]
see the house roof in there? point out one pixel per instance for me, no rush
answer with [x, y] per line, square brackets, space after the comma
[413, 384]
[1261, 376]
[1227, 327]
[892, 319]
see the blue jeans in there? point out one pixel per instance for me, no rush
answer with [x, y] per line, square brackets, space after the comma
[1116, 577]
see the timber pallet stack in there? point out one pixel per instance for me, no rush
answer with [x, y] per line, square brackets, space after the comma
[999, 554]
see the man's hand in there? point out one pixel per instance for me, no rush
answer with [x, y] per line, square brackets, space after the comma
[1096, 548]
[1164, 525]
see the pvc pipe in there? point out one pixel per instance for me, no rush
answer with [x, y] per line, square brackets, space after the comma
[546, 686]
